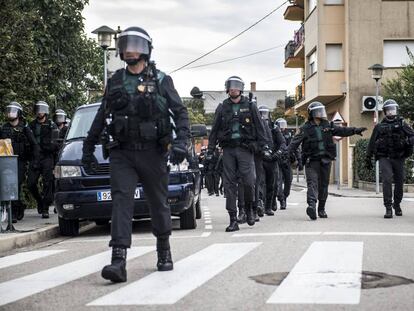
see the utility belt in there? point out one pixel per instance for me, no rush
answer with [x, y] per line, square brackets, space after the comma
[133, 145]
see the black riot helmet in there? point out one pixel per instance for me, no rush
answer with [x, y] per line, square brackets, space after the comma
[234, 82]
[135, 40]
[13, 111]
[41, 107]
[316, 110]
[60, 116]
[281, 123]
[196, 93]
[390, 109]
[264, 112]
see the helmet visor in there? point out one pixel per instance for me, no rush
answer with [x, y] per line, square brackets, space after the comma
[391, 111]
[318, 112]
[133, 42]
[234, 84]
[60, 118]
[282, 124]
[41, 108]
[12, 112]
[265, 114]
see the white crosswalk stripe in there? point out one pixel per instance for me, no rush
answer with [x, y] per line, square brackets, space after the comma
[16, 259]
[328, 273]
[188, 274]
[16, 289]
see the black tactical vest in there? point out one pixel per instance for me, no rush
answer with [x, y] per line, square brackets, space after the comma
[138, 116]
[391, 141]
[19, 139]
[311, 142]
[243, 117]
[43, 135]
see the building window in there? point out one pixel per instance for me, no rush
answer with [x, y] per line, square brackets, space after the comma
[395, 52]
[334, 58]
[334, 2]
[312, 63]
[311, 5]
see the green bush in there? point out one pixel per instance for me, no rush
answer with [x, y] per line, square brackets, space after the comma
[361, 172]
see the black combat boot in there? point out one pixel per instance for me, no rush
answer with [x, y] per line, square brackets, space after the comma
[241, 219]
[274, 205]
[233, 226]
[116, 271]
[283, 204]
[311, 212]
[397, 209]
[269, 212]
[251, 214]
[388, 212]
[164, 262]
[260, 209]
[321, 209]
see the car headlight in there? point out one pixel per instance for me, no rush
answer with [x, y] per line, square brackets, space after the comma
[183, 166]
[66, 171]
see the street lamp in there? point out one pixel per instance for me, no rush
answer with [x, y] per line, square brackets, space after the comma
[377, 70]
[104, 40]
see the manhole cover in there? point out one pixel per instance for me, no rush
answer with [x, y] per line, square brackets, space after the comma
[369, 279]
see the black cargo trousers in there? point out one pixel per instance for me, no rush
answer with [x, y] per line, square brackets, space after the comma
[238, 166]
[284, 180]
[45, 170]
[392, 169]
[149, 166]
[317, 180]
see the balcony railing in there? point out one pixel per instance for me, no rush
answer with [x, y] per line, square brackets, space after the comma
[296, 43]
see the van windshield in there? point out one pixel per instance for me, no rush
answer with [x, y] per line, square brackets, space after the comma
[81, 122]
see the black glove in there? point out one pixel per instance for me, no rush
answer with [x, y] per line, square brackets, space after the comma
[89, 162]
[278, 155]
[209, 155]
[300, 166]
[359, 130]
[368, 163]
[178, 152]
[267, 153]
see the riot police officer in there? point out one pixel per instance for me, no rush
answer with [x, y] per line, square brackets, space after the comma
[285, 177]
[270, 166]
[43, 128]
[391, 143]
[318, 151]
[135, 112]
[239, 131]
[24, 146]
[61, 122]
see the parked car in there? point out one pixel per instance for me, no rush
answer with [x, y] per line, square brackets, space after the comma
[86, 195]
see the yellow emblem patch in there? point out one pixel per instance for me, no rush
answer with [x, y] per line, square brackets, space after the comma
[141, 88]
[247, 120]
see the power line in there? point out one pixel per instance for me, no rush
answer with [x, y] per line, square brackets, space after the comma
[236, 36]
[279, 77]
[234, 58]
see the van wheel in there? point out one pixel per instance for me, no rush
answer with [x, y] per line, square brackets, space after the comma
[69, 227]
[188, 218]
[102, 222]
[199, 214]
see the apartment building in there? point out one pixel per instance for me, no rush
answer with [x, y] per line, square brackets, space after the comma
[335, 44]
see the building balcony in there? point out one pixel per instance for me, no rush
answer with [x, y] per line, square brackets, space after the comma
[295, 50]
[295, 11]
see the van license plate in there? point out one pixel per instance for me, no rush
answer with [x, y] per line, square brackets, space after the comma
[106, 195]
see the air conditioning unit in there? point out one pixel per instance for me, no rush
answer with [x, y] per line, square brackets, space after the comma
[368, 103]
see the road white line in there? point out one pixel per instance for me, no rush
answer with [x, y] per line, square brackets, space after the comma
[293, 204]
[106, 240]
[408, 199]
[371, 233]
[23, 257]
[328, 273]
[207, 214]
[208, 227]
[240, 235]
[206, 234]
[207, 221]
[188, 274]
[35, 283]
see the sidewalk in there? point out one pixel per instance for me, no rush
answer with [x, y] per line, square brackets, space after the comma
[344, 191]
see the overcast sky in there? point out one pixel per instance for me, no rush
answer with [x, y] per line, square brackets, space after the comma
[183, 30]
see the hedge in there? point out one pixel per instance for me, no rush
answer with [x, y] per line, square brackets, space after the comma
[361, 172]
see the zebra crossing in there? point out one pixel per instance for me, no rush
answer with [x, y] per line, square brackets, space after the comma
[327, 273]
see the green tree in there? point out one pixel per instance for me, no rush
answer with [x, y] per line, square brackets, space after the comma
[196, 112]
[45, 54]
[401, 88]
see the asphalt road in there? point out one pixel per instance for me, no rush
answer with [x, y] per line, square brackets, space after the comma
[354, 260]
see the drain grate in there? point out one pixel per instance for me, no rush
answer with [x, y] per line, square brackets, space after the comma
[369, 279]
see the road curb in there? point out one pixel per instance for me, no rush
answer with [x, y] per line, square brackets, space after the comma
[19, 240]
[345, 196]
